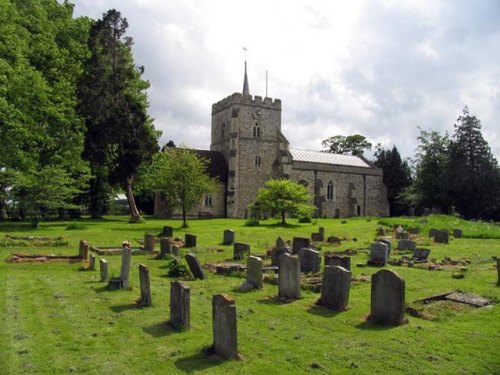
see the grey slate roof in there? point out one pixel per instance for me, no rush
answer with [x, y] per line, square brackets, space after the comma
[327, 158]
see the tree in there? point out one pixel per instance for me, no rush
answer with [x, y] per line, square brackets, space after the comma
[120, 135]
[283, 196]
[352, 144]
[182, 178]
[397, 177]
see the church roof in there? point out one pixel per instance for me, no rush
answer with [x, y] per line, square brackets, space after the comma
[328, 158]
[217, 166]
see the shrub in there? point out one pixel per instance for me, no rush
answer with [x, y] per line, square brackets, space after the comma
[252, 222]
[76, 226]
[176, 268]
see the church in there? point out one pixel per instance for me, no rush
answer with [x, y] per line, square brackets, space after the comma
[247, 148]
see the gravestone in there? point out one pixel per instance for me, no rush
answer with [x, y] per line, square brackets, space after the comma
[333, 240]
[83, 249]
[189, 240]
[398, 230]
[103, 268]
[310, 260]
[407, 245]
[432, 232]
[421, 254]
[388, 243]
[149, 242]
[299, 243]
[411, 212]
[321, 231]
[441, 236]
[145, 286]
[165, 247]
[240, 250]
[387, 298]
[427, 211]
[224, 326]
[316, 237]
[335, 260]
[379, 253]
[289, 277]
[228, 237]
[434, 211]
[279, 249]
[180, 305]
[404, 235]
[176, 250]
[254, 274]
[457, 233]
[125, 267]
[167, 231]
[92, 262]
[194, 266]
[335, 288]
[280, 242]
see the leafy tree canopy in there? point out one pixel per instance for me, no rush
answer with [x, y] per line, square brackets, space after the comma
[352, 144]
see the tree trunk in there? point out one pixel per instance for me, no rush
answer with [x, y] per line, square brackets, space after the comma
[135, 216]
[283, 217]
[3, 211]
[184, 218]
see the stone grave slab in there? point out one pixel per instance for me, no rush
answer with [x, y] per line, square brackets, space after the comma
[194, 266]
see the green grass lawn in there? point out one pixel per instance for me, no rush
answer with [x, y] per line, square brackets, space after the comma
[57, 319]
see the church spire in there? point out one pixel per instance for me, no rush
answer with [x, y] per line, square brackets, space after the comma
[246, 90]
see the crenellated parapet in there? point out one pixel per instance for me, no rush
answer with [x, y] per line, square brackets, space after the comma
[249, 100]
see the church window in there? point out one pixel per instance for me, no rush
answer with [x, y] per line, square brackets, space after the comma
[330, 191]
[257, 160]
[358, 210]
[256, 131]
[208, 200]
[223, 131]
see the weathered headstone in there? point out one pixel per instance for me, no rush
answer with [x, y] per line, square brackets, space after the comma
[421, 254]
[229, 237]
[387, 298]
[194, 266]
[333, 240]
[310, 260]
[145, 286]
[276, 253]
[316, 237]
[180, 305]
[404, 235]
[83, 249]
[103, 268]
[176, 250]
[167, 231]
[224, 326]
[335, 288]
[457, 233]
[165, 247]
[280, 242]
[388, 243]
[125, 267]
[254, 274]
[149, 242]
[411, 212]
[427, 211]
[289, 277]
[92, 262]
[335, 260]
[407, 245]
[299, 243]
[432, 232]
[189, 240]
[379, 253]
[441, 236]
[321, 231]
[240, 250]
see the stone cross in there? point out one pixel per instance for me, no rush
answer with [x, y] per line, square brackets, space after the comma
[167, 231]
[149, 242]
[92, 262]
[194, 266]
[289, 277]
[180, 305]
[189, 240]
[240, 249]
[125, 268]
[299, 243]
[310, 260]
[224, 326]
[103, 267]
[165, 247]
[83, 249]
[145, 286]
[387, 298]
[228, 237]
[335, 288]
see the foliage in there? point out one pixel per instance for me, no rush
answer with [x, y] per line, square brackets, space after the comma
[283, 197]
[252, 222]
[176, 268]
[352, 144]
[182, 178]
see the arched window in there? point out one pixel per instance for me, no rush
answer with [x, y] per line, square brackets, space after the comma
[358, 210]
[257, 160]
[256, 131]
[208, 200]
[330, 191]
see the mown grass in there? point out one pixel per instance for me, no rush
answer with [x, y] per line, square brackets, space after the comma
[56, 319]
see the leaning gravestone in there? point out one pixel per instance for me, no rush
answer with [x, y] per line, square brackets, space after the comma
[180, 305]
[240, 250]
[299, 243]
[176, 250]
[421, 254]
[189, 240]
[387, 298]
[165, 247]
[103, 268]
[310, 260]
[194, 266]
[254, 274]
[145, 286]
[335, 288]
[167, 231]
[228, 237]
[224, 326]
[407, 245]
[83, 249]
[457, 233]
[92, 262]
[335, 260]
[289, 277]
[125, 267]
[279, 249]
[378, 254]
[149, 242]
[441, 236]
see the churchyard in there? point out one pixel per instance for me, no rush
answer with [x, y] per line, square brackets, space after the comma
[58, 315]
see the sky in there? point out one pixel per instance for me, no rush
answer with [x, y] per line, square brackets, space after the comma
[380, 68]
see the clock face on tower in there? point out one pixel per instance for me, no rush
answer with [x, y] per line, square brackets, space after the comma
[257, 114]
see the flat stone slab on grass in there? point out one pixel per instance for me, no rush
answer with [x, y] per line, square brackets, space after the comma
[468, 298]
[115, 251]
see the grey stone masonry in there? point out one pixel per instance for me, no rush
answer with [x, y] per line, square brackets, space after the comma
[180, 305]
[310, 260]
[167, 231]
[224, 326]
[149, 242]
[125, 267]
[83, 249]
[176, 251]
[240, 250]
[441, 236]
[457, 233]
[194, 266]
[299, 243]
[92, 262]
[103, 268]
[229, 237]
[189, 240]
[407, 245]
[387, 298]
[145, 286]
[378, 254]
[254, 271]
[165, 247]
[335, 260]
[335, 288]
[289, 277]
